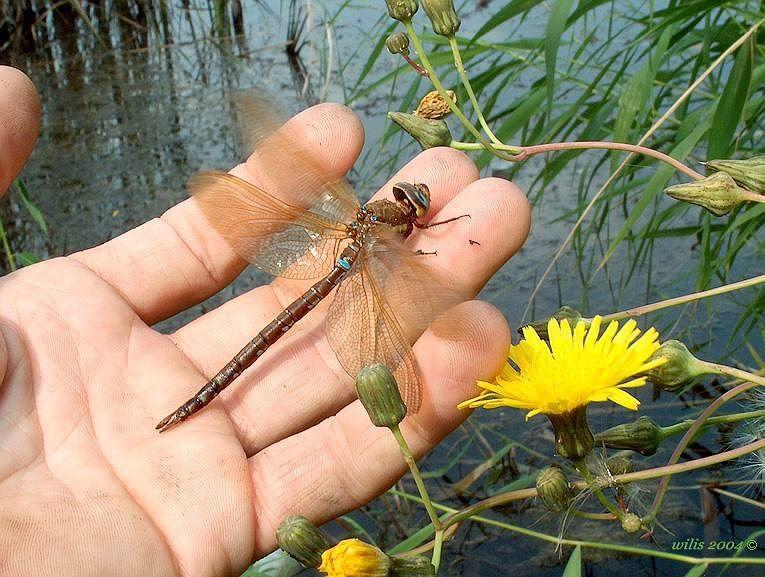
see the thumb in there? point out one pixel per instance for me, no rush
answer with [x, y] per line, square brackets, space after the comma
[19, 123]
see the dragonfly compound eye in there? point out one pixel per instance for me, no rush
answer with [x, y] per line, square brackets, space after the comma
[415, 196]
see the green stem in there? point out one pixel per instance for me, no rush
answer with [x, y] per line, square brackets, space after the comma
[525, 152]
[466, 146]
[7, 248]
[452, 106]
[417, 68]
[469, 89]
[407, 453]
[533, 150]
[739, 498]
[653, 307]
[581, 466]
[593, 516]
[438, 543]
[752, 196]
[715, 368]
[683, 426]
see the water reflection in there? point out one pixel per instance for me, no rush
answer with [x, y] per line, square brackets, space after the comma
[132, 105]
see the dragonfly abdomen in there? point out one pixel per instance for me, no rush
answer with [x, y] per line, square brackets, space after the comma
[265, 338]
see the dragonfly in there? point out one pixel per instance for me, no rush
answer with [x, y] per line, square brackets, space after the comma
[311, 225]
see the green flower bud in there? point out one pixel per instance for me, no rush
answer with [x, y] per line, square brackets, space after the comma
[717, 193]
[573, 438]
[302, 541]
[402, 10]
[443, 16]
[573, 316]
[619, 465]
[553, 488]
[680, 368]
[749, 172]
[642, 435]
[429, 133]
[378, 392]
[397, 43]
[631, 523]
[416, 566]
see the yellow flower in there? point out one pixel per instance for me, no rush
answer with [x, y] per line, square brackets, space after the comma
[354, 558]
[577, 368]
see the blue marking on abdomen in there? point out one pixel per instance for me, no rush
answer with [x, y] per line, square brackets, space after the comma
[343, 263]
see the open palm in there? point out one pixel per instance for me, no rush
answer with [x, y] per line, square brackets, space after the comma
[88, 487]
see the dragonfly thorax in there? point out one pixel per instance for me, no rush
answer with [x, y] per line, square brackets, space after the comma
[394, 215]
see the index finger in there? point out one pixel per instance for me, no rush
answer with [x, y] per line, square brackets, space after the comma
[19, 123]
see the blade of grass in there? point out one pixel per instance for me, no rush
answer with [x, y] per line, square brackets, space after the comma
[556, 25]
[732, 104]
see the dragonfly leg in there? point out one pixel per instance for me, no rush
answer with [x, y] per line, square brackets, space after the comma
[440, 222]
[419, 252]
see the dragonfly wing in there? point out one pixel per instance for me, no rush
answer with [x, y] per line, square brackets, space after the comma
[292, 169]
[362, 333]
[279, 238]
[383, 308]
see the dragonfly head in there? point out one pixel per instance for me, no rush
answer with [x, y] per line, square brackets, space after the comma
[415, 197]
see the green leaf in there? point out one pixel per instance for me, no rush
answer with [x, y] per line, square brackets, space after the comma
[636, 96]
[25, 258]
[31, 207]
[697, 571]
[502, 16]
[732, 103]
[277, 564]
[574, 565]
[556, 25]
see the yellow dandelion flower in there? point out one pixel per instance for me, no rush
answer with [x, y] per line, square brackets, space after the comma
[354, 558]
[577, 368]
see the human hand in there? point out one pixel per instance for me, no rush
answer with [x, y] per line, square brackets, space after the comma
[88, 487]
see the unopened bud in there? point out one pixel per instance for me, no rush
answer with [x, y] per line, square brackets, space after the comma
[631, 523]
[443, 16]
[642, 435]
[354, 557]
[553, 488]
[379, 394]
[573, 316]
[619, 465]
[749, 173]
[402, 10]
[433, 106]
[718, 193]
[397, 43]
[681, 366]
[417, 566]
[305, 543]
[428, 133]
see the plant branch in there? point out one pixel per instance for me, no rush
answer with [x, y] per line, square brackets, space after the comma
[653, 307]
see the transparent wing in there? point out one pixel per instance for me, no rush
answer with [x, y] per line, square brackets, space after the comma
[279, 238]
[383, 308]
[293, 173]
